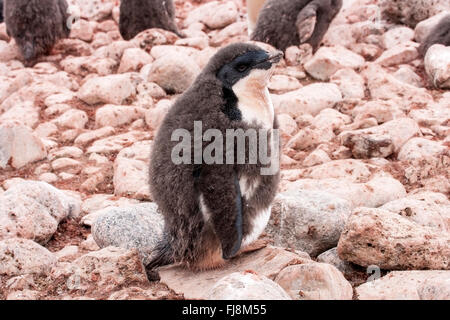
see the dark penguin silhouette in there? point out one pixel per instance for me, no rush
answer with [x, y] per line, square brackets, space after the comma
[285, 23]
[1, 11]
[213, 210]
[440, 34]
[139, 15]
[36, 25]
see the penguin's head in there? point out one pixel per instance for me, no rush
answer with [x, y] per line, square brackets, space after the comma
[255, 66]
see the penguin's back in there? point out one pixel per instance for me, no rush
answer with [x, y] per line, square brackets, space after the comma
[276, 23]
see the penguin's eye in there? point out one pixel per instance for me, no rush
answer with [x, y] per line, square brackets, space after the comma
[241, 68]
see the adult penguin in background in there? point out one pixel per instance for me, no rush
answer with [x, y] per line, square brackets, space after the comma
[36, 25]
[285, 23]
[440, 34]
[139, 15]
[214, 210]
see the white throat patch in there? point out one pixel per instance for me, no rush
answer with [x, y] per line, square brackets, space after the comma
[254, 100]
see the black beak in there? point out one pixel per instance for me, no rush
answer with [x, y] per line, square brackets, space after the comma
[275, 57]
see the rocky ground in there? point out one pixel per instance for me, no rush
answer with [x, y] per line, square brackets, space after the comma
[365, 182]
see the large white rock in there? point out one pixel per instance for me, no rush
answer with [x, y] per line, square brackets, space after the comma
[380, 141]
[113, 89]
[437, 65]
[246, 286]
[214, 14]
[174, 72]
[407, 285]
[373, 193]
[19, 145]
[429, 209]
[309, 221]
[310, 99]
[33, 210]
[328, 60]
[131, 171]
[397, 35]
[314, 281]
[393, 243]
[115, 116]
[112, 268]
[21, 256]
[384, 86]
[399, 54]
[417, 148]
[350, 83]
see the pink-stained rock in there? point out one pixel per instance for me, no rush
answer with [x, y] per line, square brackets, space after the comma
[82, 66]
[116, 143]
[396, 36]
[328, 60]
[155, 116]
[384, 86]
[437, 65]
[310, 99]
[246, 286]
[21, 257]
[13, 82]
[390, 241]
[174, 72]
[67, 165]
[407, 285]
[374, 193]
[72, 119]
[380, 141]
[309, 221]
[350, 83]
[382, 111]
[113, 89]
[267, 262]
[428, 209]
[401, 53]
[83, 30]
[88, 137]
[115, 116]
[235, 29]
[95, 9]
[407, 75]
[314, 281]
[26, 114]
[19, 145]
[316, 157]
[133, 59]
[417, 148]
[131, 171]
[214, 14]
[107, 269]
[282, 83]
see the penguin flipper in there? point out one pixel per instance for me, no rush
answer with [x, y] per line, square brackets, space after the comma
[306, 22]
[223, 200]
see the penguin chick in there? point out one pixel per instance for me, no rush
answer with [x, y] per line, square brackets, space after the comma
[285, 23]
[36, 25]
[253, 9]
[139, 15]
[212, 210]
[440, 34]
